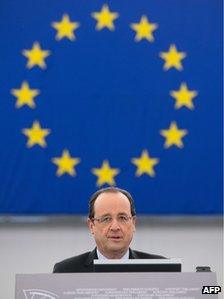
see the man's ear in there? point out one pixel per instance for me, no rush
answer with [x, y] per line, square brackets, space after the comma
[134, 218]
[90, 225]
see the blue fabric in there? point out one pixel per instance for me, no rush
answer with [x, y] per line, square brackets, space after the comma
[106, 97]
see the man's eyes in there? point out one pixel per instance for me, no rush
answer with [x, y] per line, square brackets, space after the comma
[106, 219]
[119, 218]
[122, 217]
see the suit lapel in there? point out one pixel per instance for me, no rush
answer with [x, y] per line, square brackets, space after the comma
[92, 256]
[132, 254]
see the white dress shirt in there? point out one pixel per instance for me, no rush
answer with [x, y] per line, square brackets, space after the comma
[102, 257]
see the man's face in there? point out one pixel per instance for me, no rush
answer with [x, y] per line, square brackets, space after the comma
[112, 239]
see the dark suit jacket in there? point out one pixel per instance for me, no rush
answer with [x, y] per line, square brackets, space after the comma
[84, 262]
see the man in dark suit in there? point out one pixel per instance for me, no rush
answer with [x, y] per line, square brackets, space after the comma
[111, 221]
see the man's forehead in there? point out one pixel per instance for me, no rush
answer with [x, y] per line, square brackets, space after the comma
[107, 200]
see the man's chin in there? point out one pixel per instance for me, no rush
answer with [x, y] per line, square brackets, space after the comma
[116, 246]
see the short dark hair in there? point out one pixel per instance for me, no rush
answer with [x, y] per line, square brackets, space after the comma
[110, 190]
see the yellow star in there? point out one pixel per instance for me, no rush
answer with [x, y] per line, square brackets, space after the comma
[184, 96]
[145, 164]
[65, 28]
[36, 56]
[173, 135]
[105, 18]
[144, 29]
[36, 135]
[66, 163]
[173, 58]
[105, 174]
[25, 95]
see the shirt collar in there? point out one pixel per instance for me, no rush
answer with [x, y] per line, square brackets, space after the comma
[102, 257]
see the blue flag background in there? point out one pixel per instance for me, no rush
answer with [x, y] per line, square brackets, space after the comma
[104, 103]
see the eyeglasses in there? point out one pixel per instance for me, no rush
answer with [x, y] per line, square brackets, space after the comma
[106, 220]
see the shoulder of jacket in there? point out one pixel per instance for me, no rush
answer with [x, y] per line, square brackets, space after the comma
[64, 265]
[145, 255]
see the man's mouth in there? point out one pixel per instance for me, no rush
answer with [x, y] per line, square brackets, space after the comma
[115, 238]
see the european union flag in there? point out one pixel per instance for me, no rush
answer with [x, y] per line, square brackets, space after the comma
[124, 93]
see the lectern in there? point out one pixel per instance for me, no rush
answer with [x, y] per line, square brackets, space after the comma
[134, 285]
[119, 279]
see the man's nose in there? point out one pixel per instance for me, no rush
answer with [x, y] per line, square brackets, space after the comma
[114, 224]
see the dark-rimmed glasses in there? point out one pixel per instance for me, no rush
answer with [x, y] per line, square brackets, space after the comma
[106, 220]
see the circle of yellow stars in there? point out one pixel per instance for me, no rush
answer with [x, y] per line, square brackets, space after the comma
[105, 19]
